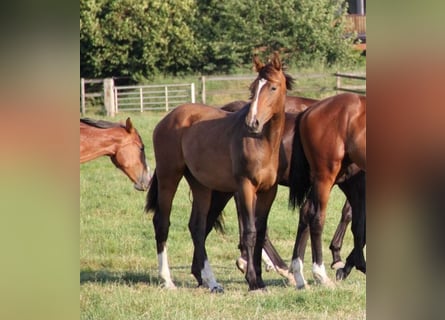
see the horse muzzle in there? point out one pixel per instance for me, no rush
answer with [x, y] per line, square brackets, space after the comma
[143, 183]
[254, 126]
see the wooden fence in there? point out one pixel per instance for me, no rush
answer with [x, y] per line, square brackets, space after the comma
[152, 97]
[90, 90]
[350, 87]
[215, 91]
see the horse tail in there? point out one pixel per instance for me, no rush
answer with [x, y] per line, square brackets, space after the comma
[299, 172]
[152, 194]
[219, 224]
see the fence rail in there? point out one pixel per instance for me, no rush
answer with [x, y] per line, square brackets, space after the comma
[93, 93]
[356, 88]
[152, 97]
[215, 91]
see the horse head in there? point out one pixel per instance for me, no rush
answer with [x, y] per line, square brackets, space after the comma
[268, 93]
[130, 158]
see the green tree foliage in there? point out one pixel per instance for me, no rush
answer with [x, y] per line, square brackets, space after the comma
[142, 38]
[136, 38]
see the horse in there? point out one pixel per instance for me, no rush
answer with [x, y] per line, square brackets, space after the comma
[121, 143]
[228, 152]
[329, 147]
[271, 257]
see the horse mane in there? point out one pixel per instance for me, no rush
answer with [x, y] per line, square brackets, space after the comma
[101, 124]
[266, 73]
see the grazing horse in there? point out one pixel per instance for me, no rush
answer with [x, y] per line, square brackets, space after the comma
[329, 147]
[227, 152]
[121, 143]
[271, 257]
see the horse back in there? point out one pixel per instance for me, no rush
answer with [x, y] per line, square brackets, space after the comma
[334, 128]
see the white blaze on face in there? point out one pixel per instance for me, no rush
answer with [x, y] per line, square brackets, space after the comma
[254, 107]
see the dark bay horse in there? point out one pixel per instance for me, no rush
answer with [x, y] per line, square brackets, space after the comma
[121, 143]
[329, 147]
[227, 152]
[271, 257]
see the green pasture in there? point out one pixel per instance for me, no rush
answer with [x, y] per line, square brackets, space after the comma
[118, 261]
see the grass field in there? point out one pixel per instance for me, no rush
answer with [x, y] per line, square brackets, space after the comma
[118, 263]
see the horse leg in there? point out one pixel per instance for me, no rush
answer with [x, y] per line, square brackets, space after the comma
[248, 199]
[269, 254]
[337, 240]
[306, 211]
[354, 189]
[197, 226]
[262, 209]
[166, 187]
[320, 195]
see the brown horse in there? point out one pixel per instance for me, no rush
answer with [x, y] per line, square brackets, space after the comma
[227, 152]
[329, 147]
[121, 143]
[271, 257]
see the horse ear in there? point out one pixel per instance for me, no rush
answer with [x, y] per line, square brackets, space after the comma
[276, 62]
[129, 125]
[257, 63]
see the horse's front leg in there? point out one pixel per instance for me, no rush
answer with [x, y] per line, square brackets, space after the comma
[247, 203]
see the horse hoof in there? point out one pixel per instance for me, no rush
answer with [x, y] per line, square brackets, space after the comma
[337, 265]
[303, 287]
[340, 274]
[258, 290]
[169, 286]
[217, 289]
[241, 264]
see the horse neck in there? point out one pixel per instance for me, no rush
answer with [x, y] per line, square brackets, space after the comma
[99, 143]
[276, 129]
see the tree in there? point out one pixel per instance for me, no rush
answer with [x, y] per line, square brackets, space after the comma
[136, 38]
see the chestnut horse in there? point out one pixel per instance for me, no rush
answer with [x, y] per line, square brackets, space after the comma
[227, 152]
[329, 147]
[270, 255]
[121, 143]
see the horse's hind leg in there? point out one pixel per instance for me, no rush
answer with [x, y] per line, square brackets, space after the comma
[337, 240]
[161, 222]
[355, 190]
[197, 225]
[320, 196]
[306, 211]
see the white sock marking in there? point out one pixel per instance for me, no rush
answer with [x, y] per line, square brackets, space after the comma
[164, 270]
[297, 270]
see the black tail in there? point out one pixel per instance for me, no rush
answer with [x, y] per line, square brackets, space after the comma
[152, 194]
[299, 173]
[219, 224]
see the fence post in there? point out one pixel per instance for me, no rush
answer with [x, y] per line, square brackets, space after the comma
[192, 89]
[166, 98]
[338, 82]
[82, 95]
[109, 96]
[141, 99]
[203, 81]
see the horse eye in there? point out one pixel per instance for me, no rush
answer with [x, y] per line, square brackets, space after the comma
[273, 88]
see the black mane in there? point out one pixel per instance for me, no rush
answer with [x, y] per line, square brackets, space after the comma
[102, 124]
